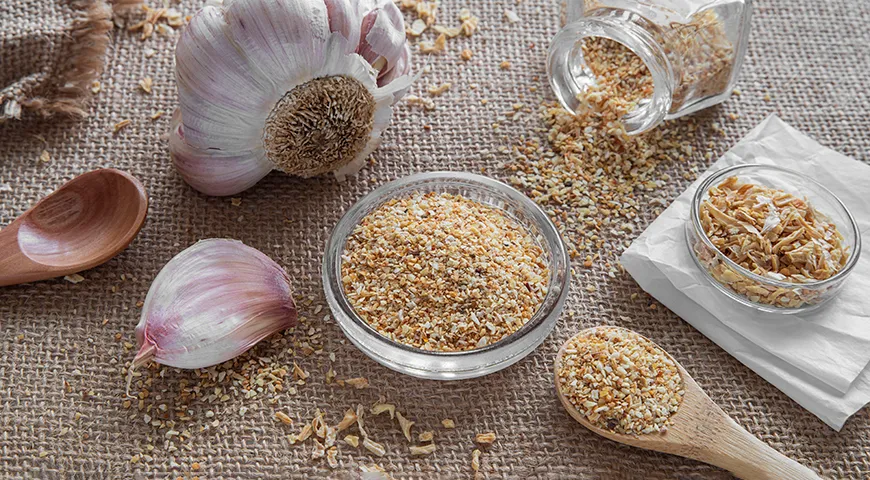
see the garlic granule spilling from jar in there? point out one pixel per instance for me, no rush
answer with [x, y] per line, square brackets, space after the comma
[693, 50]
[438, 271]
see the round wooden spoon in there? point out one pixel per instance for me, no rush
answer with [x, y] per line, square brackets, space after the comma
[82, 224]
[702, 431]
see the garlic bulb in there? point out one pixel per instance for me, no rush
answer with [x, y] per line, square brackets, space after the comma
[303, 86]
[211, 303]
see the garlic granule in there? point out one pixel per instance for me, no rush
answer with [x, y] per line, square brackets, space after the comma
[302, 86]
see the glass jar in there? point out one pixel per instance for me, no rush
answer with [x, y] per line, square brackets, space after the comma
[693, 50]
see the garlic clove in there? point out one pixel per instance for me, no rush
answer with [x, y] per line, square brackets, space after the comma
[213, 172]
[284, 38]
[211, 303]
[382, 38]
[343, 19]
[401, 67]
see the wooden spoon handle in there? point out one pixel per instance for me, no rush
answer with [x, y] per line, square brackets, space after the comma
[747, 457]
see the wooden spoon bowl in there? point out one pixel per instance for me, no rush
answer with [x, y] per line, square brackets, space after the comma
[82, 224]
[702, 431]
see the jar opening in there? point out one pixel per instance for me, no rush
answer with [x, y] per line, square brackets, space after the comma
[574, 82]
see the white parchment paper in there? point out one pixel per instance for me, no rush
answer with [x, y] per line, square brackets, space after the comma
[819, 359]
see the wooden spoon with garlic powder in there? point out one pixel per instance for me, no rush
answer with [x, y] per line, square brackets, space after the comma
[699, 430]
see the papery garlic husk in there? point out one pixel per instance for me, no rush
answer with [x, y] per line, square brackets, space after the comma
[211, 303]
[302, 86]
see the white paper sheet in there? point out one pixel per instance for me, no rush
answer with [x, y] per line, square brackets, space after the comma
[819, 359]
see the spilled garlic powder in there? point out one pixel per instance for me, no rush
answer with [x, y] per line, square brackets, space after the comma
[439, 271]
[620, 381]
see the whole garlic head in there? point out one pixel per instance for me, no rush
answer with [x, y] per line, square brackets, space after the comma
[303, 86]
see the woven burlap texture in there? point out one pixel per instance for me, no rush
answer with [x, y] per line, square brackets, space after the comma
[62, 368]
[51, 52]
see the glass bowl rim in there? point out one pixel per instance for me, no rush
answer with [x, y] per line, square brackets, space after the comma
[696, 222]
[335, 248]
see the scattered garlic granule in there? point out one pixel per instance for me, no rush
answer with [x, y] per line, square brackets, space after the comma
[74, 278]
[485, 438]
[437, 47]
[436, 91]
[332, 457]
[284, 418]
[145, 84]
[475, 460]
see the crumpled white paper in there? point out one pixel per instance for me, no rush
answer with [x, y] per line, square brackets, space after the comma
[819, 359]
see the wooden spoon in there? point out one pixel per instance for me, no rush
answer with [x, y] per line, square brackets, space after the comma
[702, 431]
[82, 224]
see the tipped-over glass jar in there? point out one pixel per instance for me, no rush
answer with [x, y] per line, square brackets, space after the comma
[693, 50]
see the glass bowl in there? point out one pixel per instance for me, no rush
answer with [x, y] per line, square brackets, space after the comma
[462, 364]
[749, 288]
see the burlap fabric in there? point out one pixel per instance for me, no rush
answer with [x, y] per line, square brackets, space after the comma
[51, 52]
[61, 371]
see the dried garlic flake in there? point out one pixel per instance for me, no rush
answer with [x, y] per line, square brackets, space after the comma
[284, 418]
[405, 424]
[437, 47]
[358, 383]
[380, 408]
[74, 278]
[417, 28]
[374, 447]
[348, 420]
[422, 450]
[332, 457]
[352, 440]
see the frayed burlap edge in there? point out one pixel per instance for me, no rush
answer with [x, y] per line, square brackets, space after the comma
[68, 92]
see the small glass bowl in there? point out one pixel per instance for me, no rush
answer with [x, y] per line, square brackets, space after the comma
[803, 297]
[450, 365]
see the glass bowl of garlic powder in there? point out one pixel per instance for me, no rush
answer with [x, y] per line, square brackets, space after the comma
[446, 275]
[772, 238]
